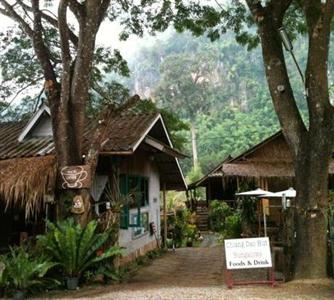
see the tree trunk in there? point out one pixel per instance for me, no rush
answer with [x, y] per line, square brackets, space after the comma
[311, 169]
[311, 146]
[194, 145]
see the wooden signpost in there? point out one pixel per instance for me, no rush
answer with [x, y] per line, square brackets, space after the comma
[250, 253]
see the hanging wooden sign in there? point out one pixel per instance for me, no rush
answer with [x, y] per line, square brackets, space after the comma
[75, 177]
[78, 205]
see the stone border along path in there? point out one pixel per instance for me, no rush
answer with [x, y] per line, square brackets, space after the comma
[197, 273]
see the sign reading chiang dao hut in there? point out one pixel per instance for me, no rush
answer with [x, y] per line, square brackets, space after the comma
[75, 177]
[247, 253]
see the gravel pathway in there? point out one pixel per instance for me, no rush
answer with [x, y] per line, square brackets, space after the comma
[196, 273]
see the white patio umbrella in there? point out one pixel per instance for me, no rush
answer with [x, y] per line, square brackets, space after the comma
[289, 193]
[267, 195]
[286, 194]
[256, 192]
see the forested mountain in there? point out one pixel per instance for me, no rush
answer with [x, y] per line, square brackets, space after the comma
[218, 87]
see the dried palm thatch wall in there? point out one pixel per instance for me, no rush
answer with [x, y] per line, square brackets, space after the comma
[270, 159]
[25, 181]
[259, 169]
[274, 150]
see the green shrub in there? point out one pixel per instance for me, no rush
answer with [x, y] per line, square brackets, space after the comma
[191, 232]
[22, 271]
[3, 273]
[177, 226]
[75, 249]
[232, 226]
[218, 212]
[247, 207]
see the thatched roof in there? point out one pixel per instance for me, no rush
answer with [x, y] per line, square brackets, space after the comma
[269, 159]
[258, 169]
[25, 181]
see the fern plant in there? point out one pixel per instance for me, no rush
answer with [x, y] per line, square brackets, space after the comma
[75, 248]
[22, 271]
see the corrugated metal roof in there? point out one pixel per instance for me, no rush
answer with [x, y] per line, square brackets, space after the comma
[125, 131]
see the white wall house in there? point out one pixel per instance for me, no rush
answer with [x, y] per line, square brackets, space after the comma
[138, 240]
[146, 161]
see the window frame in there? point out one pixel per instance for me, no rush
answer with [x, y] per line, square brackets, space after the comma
[125, 218]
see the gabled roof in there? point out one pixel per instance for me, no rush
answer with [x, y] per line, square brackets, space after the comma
[243, 165]
[127, 132]
[251, 150]
[33, 121]
[269, 158]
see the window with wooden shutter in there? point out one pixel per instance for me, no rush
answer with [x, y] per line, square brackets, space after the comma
[135, 188]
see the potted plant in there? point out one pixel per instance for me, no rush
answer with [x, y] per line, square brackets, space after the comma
[191, 232]
[75, 249]
[3, 277]
[24, 271]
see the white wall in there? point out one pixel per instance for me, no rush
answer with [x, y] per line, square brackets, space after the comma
[43, 127]
[143, 165]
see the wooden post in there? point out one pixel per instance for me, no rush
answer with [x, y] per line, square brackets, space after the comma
[165, 215]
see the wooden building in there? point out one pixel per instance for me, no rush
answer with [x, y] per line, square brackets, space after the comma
[139, 146]
[267, 165]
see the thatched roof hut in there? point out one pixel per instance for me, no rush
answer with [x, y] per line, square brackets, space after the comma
[270, 158]
[28, 164]
[268, 165]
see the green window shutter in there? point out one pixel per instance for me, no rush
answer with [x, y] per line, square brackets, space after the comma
[146, 191]
[135, 190]
[124, 217]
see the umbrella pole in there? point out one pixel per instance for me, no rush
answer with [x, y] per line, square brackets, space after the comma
[264, 222]
[259, 218]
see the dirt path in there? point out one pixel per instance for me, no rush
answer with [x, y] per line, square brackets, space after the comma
[197, 273]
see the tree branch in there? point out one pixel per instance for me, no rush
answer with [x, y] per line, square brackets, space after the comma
[20, 91]
[103, 9]
[65, 52]
[77, 9]
[319, 18]
[9, 11]
[52, 21]
[277, 75]
[41, 50]
[254, 6]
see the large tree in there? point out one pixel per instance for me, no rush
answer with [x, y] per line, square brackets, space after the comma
[66, 52]
[311, 142]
